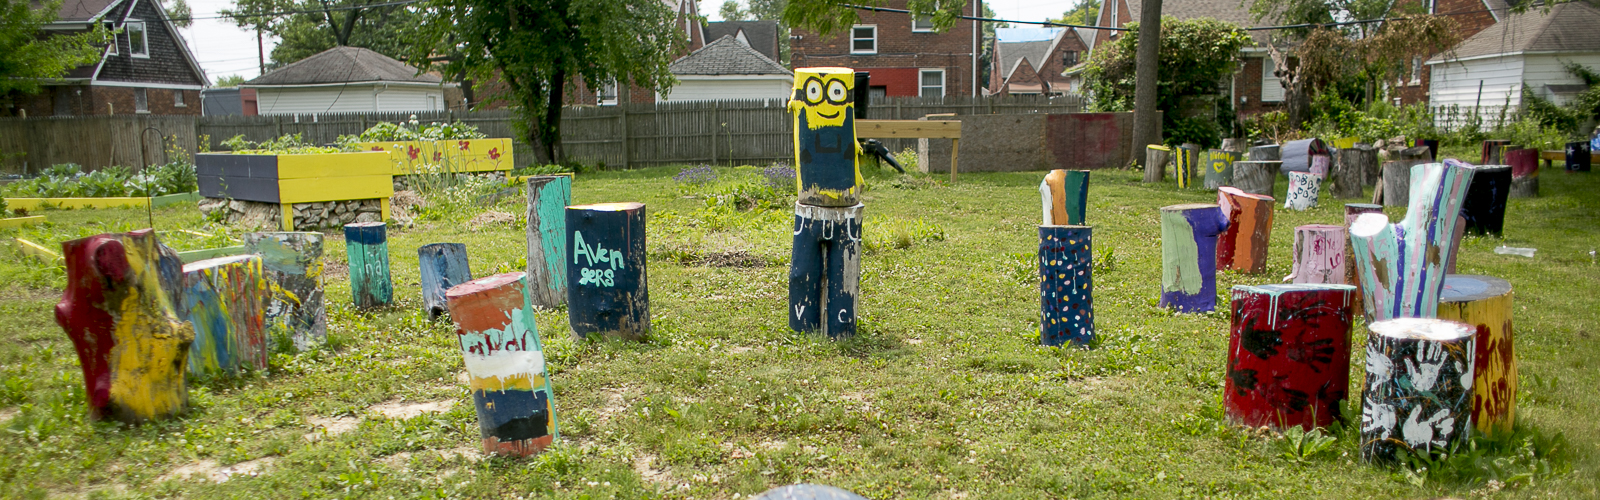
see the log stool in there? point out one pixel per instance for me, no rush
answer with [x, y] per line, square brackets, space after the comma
[1302, 194]
[1219, 168]
[293, 264]
[1418, 388]
[223, 298]
[1186, 163]
[1269, 152]
[1524, 172]
[548, 197]
[1189, 256]
[1350, 173]
[1578, 156]
[1351, 212]
[1065, 197]
[367, 246]
[1396, 189]
[1066, 285]
[443, 265]
[119, 308]
[1256, 177]
[1402, 266]
[1484, 302]
[1243, 246]
[1493, 152]
[608, 293]
[1319, 252]
[1485, 205]
[1288, 355]
[505, 363]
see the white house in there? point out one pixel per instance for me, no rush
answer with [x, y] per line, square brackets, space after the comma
[1488, 72]
[347, 80]
[728, 69]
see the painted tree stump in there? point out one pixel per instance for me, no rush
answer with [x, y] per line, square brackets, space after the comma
[608, 293]
[1493, 152]
[1066, 285]
[224, 299]
[1303, 188]
[1189, 256]
[1255, 177]
[293, 265]
[367, 246]
[825, 270]
[1186, 166]
[1418, 388]
[1350, 173]
[548, 197]
[1319, 253]
[1288, 355]
[120, 310]
[1269, 152]
[825, 148]
[1431, 144]
[1484, 302]
[1485, 206]
[1243, 246]
[505, 364]
[1065, 194]
[1524, 172]
[443, 265]
[1578, 156]
[1219, 168]
[1351, 277]
[1402, 266]
[1396, 187]
[1158, 156]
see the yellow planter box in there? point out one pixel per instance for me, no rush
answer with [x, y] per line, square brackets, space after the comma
[21, 221]
[463, 155]
[31, 204]
[295, 178]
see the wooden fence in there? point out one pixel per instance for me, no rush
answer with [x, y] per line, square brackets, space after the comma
[625, 136]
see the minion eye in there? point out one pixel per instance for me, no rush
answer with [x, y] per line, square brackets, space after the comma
[814, 91]
[837, 92]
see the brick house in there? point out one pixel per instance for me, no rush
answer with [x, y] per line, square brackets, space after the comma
[1471, 17]
[759, 35]
[1253, 89]
[903, 54]
[146, 70]
[688, 21]
[1032, 61]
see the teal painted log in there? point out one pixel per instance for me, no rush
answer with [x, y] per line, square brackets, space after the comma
[367, 245]
[548, 197]
[224, 298]
[1402, 266]
[443, 265]
[292, 262]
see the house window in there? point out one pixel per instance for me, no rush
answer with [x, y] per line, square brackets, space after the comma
[1416, 70]
[1113, 11]
[607, 95]
[114, 39]
[932, 83]
[177, 98]
[864, 39]
[1069, 59]
[433, 103]
[138, 42]
[923, 24]
[141, 101]
[1271, 87]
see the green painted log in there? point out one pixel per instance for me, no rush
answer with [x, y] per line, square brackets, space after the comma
[548, 197]
[367, 245]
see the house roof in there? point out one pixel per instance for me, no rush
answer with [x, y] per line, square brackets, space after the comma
[1006, 35]
[1011, 54]
[77, 10]
[1568, 27]
[727, 56]
[343, 65]
[763, 35]
[1231, 11]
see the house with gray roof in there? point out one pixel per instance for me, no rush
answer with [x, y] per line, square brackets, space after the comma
[145, 69]
[347, 80]
[1524, 52]
[759, 35]
[728, 69]
[1032, 60]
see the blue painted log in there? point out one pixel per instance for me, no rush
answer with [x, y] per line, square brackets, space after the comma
[1418, 395]
[1402, 266]
[224, 299]
[825, 270]
[608, 293]
[293, 265]
[548, 197]
[444, 265]
[1065, 194]
[1189, 256]
[505, 364]
[1485, 205]
[367, 246]
[1066, 285]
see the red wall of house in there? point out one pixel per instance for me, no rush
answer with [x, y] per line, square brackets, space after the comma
[899, 48]
[897, 81]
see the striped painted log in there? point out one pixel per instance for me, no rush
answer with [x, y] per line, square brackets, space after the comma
[367, 246]
[825, 270]
[1303, 188]
[608, 293]
[1219, 168]
[1066, 285]
[1493, 152]
[1186, 163]
[120, 310]
[1402, 266]
[1485, 303]
[1485, 205]
[1189, 256]
[293, 265]
[1288, 355]
[1243, 246]
[548, 197]
[505, 364]
[224, 299]
[1418, 395]
[1319, 253]
[443, 265]
[1255, 177]
[1065, 197]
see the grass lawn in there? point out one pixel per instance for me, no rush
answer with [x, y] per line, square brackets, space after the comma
[945, 393]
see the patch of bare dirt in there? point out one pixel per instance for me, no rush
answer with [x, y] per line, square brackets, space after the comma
[7, 413]
[322, 427]
[406, 199]
[209, 470]
[402, 410]
[736, 258]
[490, 217]
[396, 461]
[470, 453]
[615, 404]
[335, 271]
[644, 465]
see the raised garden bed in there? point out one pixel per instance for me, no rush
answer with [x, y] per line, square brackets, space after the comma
[445, 155]
[109, 202]
[288, 179]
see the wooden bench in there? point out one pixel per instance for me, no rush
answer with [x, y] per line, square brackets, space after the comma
[914, 129]
[1550, 157]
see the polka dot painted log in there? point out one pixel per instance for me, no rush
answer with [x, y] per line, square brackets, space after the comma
[293, 265]
[1066, 285]
[367, 246]
[1319, 252]
[607, 291]
[1243, 246]
[1402, 266]
[1418, 395]
[1303, 188]
[443, 265]
[1189, 256]
[224, 299]
[1288, 355]
[1065, 197]
[120, 310]
[505, 364]
[1485, 303]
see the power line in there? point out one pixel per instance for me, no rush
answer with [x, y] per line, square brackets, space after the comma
[290, 12]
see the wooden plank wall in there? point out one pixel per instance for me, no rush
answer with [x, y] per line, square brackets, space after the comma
[27, 145]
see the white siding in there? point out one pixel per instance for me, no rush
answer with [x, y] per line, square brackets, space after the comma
[706, 90]
[408, 99]
[347, 99]
[1456, 84]
[1271, 86]
[1546, 69]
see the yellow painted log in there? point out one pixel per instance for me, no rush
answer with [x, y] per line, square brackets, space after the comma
[37, 203]
[1485, 303]
[364, 187]
[38, 251]
[322, 166]
[21, 221]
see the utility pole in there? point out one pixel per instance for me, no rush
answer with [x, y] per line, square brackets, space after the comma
[1144, 93]
[261, 52]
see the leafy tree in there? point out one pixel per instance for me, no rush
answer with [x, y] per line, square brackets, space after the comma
[732, 12]
[1195, 57]
[1328, 57]
[371, 24]
[832, 16]
[178, 12]
[26, 58]
[1085, 13]
[230, 80]
[537, 46]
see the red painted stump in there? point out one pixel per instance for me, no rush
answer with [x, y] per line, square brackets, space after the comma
[1289, 356]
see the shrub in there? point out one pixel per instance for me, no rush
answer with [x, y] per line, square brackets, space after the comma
[414, 131]
[288, 144]
[69, 181]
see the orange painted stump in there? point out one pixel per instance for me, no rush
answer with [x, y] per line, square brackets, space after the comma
[505, 362]
[1243, 247]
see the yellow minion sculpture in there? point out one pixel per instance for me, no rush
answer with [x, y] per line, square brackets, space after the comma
[825, 144]
[825, 268]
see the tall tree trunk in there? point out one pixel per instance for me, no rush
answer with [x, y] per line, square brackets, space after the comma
[1144, 97]
[550, 127]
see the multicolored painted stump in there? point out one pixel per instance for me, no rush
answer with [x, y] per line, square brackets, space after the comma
[825, 146]
[1302, 194]
[443, 266]
[1243, 246]
[1351, 212]
[1493, 152]
[825, 270]
[1219, 168]
[608, 293]
[293, 265]
[1524, 172]
[1065, 197]
[1402, 266]
[505, 362]
[224, 298]
[1066, 285]
[1189, 256]
[367, 246]
[1485, 205]
[1319, 253]
[1255, 177]
[1289, 355]
[1484, 302]
[548, 197]
[120, 311]
[1419, 387]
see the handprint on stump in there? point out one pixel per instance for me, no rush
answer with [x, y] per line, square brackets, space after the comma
[1435, 431]
[1378, 368]
[1425, 374]
[1377, 417]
